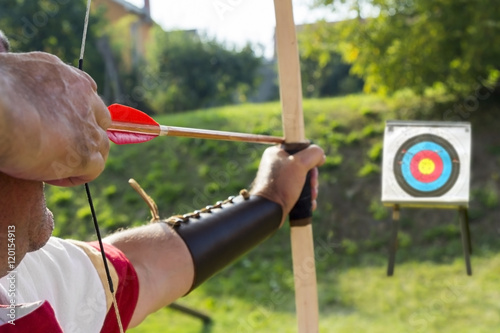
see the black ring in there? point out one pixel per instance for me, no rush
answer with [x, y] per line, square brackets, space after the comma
[455, 170]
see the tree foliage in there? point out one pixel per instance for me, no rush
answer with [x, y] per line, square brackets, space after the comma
[191, 72]
[323, 71]
[419, 44]
[54, 26]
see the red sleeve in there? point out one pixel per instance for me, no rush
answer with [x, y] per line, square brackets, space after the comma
[42, 319]
[127, 291]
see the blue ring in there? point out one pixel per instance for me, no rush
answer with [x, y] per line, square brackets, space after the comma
[418, 185]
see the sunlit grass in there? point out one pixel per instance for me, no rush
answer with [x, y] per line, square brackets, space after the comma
[421, 297]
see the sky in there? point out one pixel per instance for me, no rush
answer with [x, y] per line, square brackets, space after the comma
[235, 22]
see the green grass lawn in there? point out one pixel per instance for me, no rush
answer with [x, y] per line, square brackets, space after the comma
[429, 292]
[421, 297]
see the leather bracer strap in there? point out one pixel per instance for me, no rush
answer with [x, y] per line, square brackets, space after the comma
[219, 237]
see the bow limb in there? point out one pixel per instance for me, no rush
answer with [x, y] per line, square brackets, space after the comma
[306, 297]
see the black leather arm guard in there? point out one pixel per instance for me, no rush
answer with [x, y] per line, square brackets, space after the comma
[219, 237]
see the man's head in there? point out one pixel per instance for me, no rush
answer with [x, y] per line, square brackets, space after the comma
[4, 43]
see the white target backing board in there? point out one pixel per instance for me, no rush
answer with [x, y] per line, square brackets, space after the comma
[426, 164]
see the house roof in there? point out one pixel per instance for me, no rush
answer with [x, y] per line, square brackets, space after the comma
[132, 8]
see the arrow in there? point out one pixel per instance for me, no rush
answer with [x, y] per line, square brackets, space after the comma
[130, 125]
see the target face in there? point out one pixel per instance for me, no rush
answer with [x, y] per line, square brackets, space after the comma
[426, 163]
[426, 166]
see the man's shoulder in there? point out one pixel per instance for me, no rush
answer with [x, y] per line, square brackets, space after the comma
[57, 252]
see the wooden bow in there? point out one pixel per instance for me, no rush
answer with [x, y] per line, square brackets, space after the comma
[306, 297]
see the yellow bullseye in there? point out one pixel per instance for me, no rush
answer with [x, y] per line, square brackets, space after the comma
[426, 166]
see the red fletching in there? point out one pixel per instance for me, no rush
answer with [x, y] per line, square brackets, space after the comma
[126, 114]
[125, 138]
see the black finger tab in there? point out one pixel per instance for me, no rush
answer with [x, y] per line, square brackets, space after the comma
[302, 211]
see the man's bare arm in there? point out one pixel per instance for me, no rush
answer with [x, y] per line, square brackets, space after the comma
[160, 256]
[162, 262]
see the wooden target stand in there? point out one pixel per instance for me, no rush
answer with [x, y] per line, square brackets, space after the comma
[463, 218]
[426, 164]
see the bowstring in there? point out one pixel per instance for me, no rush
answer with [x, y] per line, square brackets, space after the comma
[104, 259]
[84, 35]
[87, 189]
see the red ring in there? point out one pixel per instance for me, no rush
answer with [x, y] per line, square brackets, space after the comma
[438, 166]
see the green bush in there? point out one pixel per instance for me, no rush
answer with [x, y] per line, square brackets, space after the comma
[196, 72]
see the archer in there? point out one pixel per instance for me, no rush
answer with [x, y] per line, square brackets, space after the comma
[53, 130]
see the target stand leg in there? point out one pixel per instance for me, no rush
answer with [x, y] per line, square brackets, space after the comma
[394, 240]
[466, 239]
[192, 312]
[469, 241]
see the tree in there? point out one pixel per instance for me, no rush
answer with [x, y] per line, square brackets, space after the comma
[191, 72]
[53, 26]
[419, 44]
[323, 71]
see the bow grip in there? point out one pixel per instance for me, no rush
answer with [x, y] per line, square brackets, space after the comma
[302, 211]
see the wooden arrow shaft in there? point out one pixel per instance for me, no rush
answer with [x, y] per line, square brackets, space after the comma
[163, 130]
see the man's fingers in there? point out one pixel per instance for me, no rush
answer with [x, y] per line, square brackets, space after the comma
[314, 183]
[42, 56]
[101, 113]
[97, 166]
[311, 157]
[314, 187]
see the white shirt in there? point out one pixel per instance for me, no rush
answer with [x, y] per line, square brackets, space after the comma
[62, 274]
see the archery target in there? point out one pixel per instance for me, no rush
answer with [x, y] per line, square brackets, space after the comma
[426, 163]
